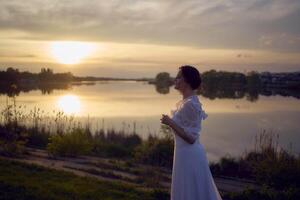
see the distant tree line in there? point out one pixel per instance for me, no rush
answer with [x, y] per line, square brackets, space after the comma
[216, 79]
[210, 79]
[222, 84]
[14, 76]
[215, 84]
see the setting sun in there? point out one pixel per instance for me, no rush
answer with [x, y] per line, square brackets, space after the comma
[70, 52]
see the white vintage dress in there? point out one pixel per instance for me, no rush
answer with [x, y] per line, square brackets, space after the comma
[191, 175]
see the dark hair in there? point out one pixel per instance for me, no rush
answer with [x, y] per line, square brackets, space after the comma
[191, 75]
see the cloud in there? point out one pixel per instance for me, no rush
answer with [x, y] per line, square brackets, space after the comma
[240, 55]
[280, 41]
[4, 55]
[234, 24]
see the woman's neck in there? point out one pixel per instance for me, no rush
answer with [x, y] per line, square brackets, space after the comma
[188, 93]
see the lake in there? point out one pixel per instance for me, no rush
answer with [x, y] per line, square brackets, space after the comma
[230, 128]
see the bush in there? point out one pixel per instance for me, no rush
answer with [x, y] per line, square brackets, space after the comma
[115, 144]
[233, 167]
[276, 170]
[37, 138]
[75, 143]
[109, 149]
[12, 143]
[156, 151]
[284, 168]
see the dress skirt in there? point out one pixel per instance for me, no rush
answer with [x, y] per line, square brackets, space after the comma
[191, 175]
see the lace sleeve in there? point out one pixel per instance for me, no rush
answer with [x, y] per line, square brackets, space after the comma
[190, 117]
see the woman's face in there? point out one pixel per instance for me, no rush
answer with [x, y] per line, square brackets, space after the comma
[180, 83]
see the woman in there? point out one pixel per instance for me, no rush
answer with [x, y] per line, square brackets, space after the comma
[191, 176]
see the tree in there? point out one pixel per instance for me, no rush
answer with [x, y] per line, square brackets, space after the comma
[45, 74]
[162, 82]
[253, 79]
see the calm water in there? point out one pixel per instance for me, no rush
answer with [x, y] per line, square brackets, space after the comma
[229, 129]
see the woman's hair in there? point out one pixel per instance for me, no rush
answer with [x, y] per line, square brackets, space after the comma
[191, 75]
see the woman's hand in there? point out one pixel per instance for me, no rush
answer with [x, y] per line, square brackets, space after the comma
[166, 120]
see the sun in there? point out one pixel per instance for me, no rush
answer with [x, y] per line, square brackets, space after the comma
[70, 52]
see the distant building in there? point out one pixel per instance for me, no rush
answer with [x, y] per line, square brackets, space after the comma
[281, 80]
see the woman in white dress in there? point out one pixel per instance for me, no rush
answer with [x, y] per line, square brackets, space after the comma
[191, 175]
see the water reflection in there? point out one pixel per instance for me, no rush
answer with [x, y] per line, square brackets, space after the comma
[69, 104]
[45, 88]
[251, 94]
[162, 89]
[209, 91]
[234, 116]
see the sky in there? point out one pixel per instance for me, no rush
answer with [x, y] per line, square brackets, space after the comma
[140, 38]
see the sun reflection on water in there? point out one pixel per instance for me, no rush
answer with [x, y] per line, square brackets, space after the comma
[69, 104]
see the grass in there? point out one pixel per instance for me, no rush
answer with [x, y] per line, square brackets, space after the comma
[24, 181]
[275, 170]
[267, 164]
[103, 173]
[146, 171]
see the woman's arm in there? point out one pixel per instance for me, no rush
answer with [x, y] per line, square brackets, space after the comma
[178, 130]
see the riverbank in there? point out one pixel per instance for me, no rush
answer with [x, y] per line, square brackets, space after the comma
[265, 172]
[139, 175]
[31, 173]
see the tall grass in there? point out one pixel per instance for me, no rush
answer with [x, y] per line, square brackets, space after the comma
[273, 165]
[277, 170]
[12, 135]
[64, 135]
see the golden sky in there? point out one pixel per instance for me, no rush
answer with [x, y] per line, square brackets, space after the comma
[131, 38]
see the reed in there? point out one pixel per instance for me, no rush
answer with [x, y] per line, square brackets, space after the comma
[276, 169]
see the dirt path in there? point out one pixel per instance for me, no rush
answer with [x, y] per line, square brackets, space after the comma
[141, 176]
